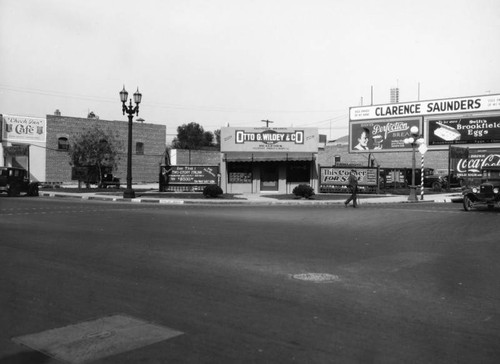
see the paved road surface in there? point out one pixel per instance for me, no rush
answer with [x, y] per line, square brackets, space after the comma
[254, 284]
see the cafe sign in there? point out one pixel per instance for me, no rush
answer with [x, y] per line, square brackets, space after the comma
[23, 129]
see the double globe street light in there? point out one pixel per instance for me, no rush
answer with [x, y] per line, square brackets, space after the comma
[415, 140]
[130, 110]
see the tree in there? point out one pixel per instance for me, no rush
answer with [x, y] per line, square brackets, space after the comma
[96, 149]
[192, 136]
[217, 138]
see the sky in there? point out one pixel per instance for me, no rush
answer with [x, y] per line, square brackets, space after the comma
[238, 62]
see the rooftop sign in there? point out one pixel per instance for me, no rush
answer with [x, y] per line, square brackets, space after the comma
[269, 139]
[431, 107]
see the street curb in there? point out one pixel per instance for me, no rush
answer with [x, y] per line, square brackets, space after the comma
[171, 201]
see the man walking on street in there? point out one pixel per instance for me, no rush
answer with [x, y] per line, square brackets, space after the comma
[352, 182]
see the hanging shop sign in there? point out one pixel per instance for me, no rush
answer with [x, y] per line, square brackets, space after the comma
[194, 175]
[269, 140]
[381, 135]
[431, 107]
[464, 130]
[23, 129]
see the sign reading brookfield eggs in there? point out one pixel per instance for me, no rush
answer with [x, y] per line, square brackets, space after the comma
[269, 139]
[464, 130]
[431, 107]
[23, 129]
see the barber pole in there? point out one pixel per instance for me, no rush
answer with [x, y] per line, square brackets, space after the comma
[422, 149]
[422, 178]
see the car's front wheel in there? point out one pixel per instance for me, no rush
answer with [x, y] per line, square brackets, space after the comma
[436, 186]
[468, 204]
[14, 190]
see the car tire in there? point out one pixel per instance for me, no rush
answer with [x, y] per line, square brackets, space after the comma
[436, 186]
[33, 190]
[468, 204]
[14, 191]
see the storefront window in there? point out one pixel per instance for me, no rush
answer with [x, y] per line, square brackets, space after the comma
[298, 171]
[239, 172]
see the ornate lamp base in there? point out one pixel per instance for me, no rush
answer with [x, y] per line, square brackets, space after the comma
[129, 193]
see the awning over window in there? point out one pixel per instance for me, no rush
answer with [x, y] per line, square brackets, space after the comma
[268, 156]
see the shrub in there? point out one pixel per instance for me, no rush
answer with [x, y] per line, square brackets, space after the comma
[212, 191]
[305, 191]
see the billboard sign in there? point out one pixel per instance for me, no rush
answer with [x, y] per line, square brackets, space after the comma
[23, 129]
[464, 130]
[269, 140]
[338, 176]
[381, 135]
[431, 107]
[194, 175]
[477, 160]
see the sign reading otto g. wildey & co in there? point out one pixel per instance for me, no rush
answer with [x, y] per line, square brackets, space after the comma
[269, 139]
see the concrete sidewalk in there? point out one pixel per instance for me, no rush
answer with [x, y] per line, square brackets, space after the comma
[154, 196]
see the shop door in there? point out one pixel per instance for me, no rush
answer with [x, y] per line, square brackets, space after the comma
[269, 176]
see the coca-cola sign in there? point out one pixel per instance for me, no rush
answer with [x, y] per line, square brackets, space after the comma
[478, 159]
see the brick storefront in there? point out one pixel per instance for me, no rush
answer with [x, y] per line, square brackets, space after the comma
[145, 162]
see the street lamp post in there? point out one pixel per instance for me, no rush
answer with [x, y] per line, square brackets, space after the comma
[414, 140]
[130, 110]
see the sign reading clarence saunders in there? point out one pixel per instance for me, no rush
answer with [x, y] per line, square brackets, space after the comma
[23, 129]
[431, 107]
[267, 139]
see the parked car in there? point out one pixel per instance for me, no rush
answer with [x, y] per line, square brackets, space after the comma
[488, 192]
[108, 179]
[437, 182]
[14, 180]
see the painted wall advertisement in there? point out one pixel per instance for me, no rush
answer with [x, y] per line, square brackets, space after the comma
[466, 130]
[23, 129]
[269, 139]
[338, 176]
[478, 159]
[381, 135]
[194, 175]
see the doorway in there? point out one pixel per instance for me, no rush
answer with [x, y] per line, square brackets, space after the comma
[269, 176]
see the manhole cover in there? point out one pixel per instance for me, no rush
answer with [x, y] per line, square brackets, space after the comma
[317, 277]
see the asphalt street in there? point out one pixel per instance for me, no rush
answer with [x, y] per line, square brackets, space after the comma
[384, 283]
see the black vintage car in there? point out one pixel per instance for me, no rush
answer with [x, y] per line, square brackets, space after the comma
[15, 180]
[488, 192]
[437, 182]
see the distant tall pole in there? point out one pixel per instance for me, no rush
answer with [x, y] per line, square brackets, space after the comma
[267, 122]
[371, 93]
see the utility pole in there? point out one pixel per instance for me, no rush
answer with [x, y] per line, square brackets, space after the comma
[267, 122]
